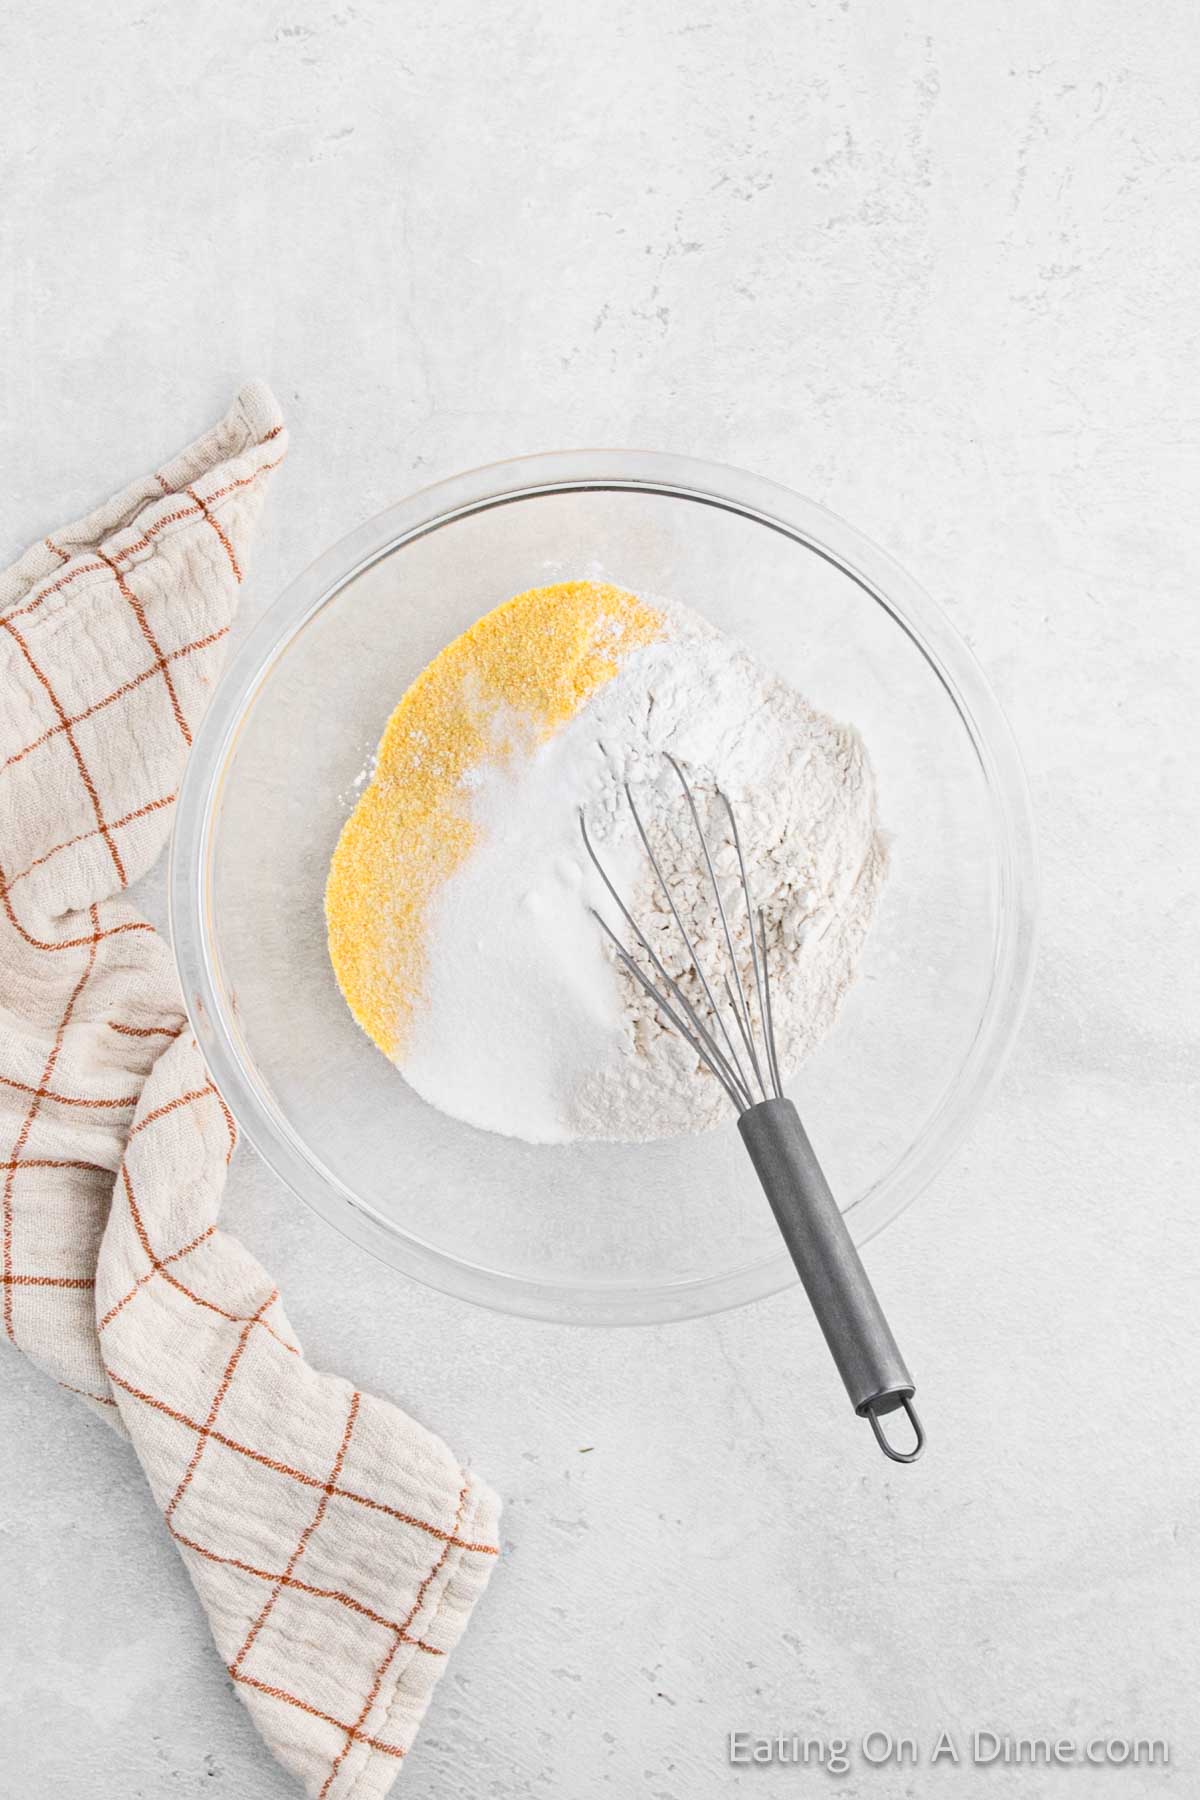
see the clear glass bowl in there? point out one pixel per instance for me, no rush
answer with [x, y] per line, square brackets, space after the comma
[590, 1232]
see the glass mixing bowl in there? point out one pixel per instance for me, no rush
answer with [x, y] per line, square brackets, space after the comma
[599, 1233]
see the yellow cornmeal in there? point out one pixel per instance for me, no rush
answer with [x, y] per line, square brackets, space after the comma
[510, 682]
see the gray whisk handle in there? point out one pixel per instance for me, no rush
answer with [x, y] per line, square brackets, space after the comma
[835, 1281]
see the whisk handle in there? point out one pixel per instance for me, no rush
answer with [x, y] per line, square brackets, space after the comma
[835, 1281]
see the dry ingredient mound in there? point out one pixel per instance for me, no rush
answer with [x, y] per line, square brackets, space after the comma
[458, 896]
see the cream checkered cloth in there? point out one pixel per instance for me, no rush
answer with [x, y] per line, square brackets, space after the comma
[336, 1545]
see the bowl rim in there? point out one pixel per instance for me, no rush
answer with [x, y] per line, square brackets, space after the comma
[473, 491]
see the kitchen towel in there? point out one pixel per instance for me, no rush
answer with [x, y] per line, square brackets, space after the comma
[336, 1545]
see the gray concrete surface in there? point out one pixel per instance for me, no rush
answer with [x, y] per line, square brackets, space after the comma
[935, 266]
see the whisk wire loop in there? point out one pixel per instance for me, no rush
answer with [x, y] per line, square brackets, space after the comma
[740, 1008]
[698, 1037]
[759, 969]
[696, 963]
[664, 1006]
[721, 1059]
[768, 1021]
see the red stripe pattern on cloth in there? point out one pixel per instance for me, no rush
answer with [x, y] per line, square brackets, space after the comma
[336, 1545]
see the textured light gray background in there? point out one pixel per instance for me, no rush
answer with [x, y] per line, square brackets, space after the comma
[937, 267]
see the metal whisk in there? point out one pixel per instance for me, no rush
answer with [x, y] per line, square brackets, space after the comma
[807, 1214]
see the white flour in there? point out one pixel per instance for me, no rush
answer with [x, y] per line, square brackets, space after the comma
[531, 1027]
